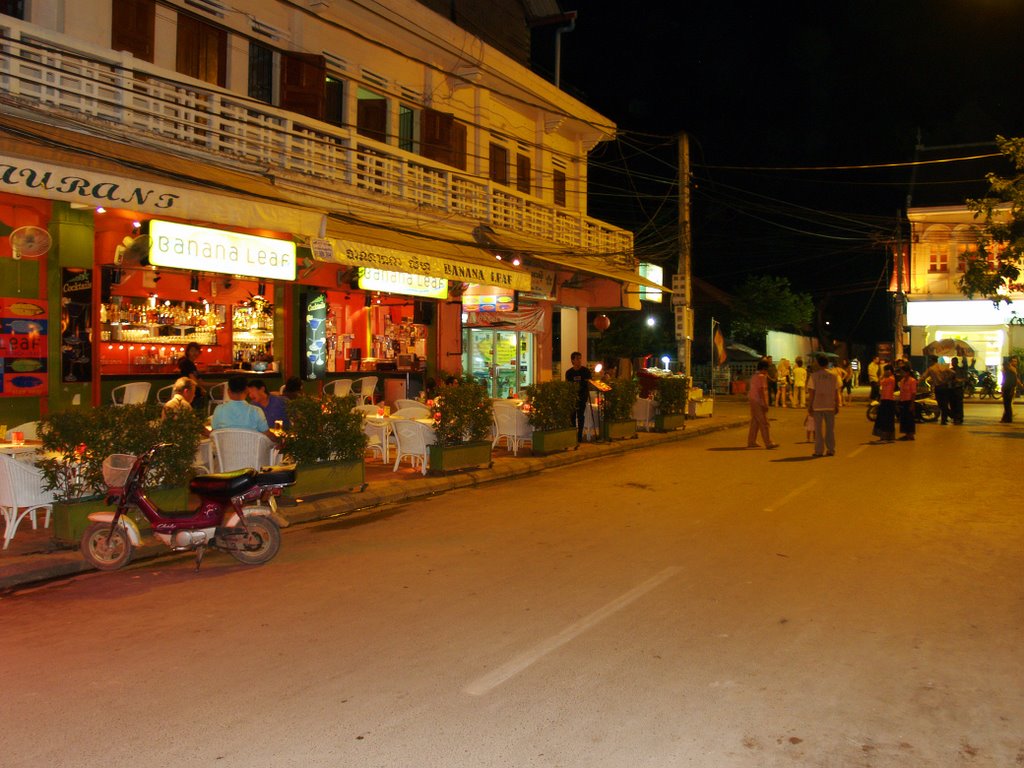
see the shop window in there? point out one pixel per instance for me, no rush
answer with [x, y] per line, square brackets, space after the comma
[523, 174]
[443, 138]
[15, 8]
[938, 257]
[202, 50]
[135, 27]
[302, 83]
[261, 72]
[371, 115]
[406, 128]
[334, 101]
[558, 186]
[498, 167]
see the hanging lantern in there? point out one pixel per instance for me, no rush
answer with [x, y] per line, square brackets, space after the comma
[602, 323]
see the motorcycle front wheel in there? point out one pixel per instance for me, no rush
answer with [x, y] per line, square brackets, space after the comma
[104, 550]
[872, 411]
[261, 543]
[929, 414]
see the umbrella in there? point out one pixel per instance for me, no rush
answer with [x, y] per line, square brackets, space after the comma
[741, 352]
[949, 348]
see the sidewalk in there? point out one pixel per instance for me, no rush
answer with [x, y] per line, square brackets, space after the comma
[32, 556]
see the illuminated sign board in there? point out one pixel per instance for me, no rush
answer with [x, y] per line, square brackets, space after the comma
[654, 273]
[488, 298]
[371, 279]
[182, 246]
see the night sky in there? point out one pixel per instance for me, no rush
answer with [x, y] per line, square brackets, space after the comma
[766, 91]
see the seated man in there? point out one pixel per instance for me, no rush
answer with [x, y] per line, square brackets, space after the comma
[183, 392]
[236, 413]
[273, 405]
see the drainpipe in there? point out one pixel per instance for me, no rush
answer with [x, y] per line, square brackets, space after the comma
[570, 16]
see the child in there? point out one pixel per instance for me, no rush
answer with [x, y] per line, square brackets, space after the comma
[809, 427]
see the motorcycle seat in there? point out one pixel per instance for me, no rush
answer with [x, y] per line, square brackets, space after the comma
[223, 483]
[282, 474]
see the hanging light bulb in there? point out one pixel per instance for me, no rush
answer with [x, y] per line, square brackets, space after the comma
[193, 285]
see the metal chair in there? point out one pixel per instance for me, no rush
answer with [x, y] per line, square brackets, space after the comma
[241, 449]
[363, 388]
[413, 441]
[513, 425]
[366, 410]
[129, 394]
[405, 402]
[164, 394]
[22, 495]
[338, 387]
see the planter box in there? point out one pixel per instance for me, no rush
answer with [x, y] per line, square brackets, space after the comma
[551, 440]
[618, 430]
[669, 422]
[447, 458]
[327, 477]
[71, 518]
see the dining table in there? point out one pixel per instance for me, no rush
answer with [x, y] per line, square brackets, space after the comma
[26, 450]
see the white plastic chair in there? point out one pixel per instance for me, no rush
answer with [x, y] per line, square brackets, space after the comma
[513, 425]
[338, 387]
[363, 388]
[217, 394]
[366, 410]
[164, 394]
[643, 413]
[379, 438]
[418, 411]
[404, 402]
[129, 394]
[241, 449]
[21, 495]
[413, 440]
[30, 429]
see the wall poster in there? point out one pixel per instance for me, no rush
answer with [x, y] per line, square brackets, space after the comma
[23, 331]
[76, 324]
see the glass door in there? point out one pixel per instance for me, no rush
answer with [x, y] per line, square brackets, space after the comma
[501, 360]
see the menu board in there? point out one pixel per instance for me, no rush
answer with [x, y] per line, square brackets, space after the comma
[76, 324]
[314, 333]
[23, 331]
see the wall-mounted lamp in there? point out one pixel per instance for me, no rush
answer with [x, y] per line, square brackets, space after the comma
[261, 289]
[193, 285]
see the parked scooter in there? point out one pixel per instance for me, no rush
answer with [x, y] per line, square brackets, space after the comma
[237, 513]
[926, 408]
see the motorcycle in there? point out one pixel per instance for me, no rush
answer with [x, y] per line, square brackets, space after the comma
[926, 408]
[237, 513]
[987, 385]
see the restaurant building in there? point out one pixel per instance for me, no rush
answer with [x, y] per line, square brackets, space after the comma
[319, 189]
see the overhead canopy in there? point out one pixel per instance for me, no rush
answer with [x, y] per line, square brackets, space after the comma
[594, 264]
[420, 253]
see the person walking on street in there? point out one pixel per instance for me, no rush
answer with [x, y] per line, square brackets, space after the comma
[823, 405]
[907, 405]
[874, 374]
[773, 379]
[938, 377]
[958, 379]
[580, 375]
[1009, 387]
[885, 421]
[757, 395]
[799, 383]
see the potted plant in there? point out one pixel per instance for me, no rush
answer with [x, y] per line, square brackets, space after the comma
[464, 416]
[77, 441]
[325, 439]
[617, 410]
[670, 400]
[551, 407]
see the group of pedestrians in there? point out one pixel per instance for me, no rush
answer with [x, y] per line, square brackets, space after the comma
[896, 400]
[823, 397]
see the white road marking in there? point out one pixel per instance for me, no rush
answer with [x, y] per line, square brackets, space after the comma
[791, 495]
[856, 450]
[514, 666]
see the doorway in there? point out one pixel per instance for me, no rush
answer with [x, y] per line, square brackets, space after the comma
[500, 360]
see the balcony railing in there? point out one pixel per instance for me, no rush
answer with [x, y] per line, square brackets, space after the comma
[53, 74]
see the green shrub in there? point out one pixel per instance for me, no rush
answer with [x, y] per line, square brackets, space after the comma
[617, 402]
[466, 413]
[552, 404]
[672, 395]
[324, 429]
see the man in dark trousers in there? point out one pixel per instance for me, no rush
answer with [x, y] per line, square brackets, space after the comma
[579, 374]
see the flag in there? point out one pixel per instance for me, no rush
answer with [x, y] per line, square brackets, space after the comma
[718, 343]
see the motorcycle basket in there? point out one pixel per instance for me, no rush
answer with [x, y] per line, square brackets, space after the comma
[115, 470]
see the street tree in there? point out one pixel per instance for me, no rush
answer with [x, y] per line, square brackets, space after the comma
[996, 263]
[766, 303]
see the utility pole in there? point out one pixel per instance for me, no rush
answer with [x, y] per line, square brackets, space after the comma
[901, 300]
[682, 290]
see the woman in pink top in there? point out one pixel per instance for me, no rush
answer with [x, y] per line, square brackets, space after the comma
[885, 422]
[908, 390]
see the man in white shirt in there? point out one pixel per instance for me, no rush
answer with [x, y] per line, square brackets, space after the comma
[823, 405]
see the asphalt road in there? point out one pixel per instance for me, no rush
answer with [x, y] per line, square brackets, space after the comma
[696, 604]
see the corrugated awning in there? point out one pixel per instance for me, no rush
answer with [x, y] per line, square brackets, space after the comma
[580, 262]
[362, 244]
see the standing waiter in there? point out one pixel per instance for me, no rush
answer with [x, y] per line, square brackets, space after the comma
[580, 375]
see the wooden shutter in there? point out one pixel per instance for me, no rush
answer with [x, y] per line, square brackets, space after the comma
[202, 50]
[436, 136]
[302, 83]
[372, 119]
[523, 181]
[558, 183]
[498, 164]
[133, 27]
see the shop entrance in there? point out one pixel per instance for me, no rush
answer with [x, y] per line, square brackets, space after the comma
[501, 360]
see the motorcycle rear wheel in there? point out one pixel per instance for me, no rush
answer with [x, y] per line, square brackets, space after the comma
[872, 411]
[104, 550]
[262, 542]
[929, 414]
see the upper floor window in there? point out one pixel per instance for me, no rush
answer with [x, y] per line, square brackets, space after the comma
[334, 101]
[443, 138]
[498, 166]
[938, 257]
[407, 120]
[302, 83]
[523, 180]
[558, 186]
[15, 8]
[135, 28]
[371, 115]
[202, 50]
[261, 72]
